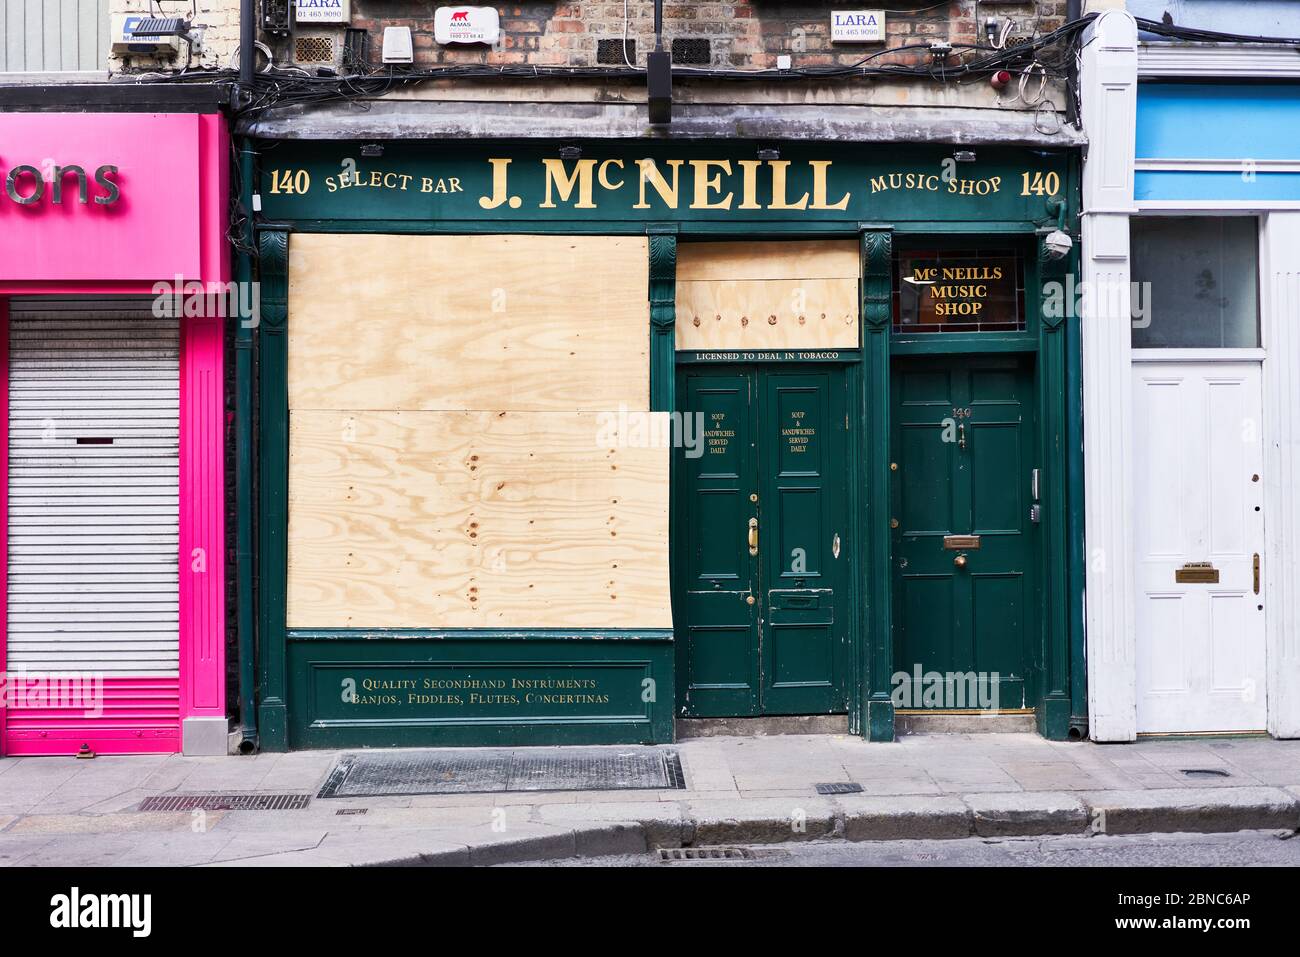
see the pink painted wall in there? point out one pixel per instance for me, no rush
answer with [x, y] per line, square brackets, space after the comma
[176, 226]
[202, 521]
[4, 500]
[171, 167]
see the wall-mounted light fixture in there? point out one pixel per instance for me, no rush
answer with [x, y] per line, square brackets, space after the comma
[659, 74]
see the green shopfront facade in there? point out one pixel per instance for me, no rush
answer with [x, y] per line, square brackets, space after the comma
[558, 450]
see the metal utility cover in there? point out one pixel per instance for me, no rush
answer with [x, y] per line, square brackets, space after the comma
[839, 787]
[467, 772]
[225, 802]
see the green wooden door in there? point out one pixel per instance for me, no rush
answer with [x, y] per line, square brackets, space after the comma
[963, 549]
[761, 543]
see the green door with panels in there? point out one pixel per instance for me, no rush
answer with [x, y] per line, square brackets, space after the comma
[761, 550]
[964, 513]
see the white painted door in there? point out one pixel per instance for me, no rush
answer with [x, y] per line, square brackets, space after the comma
[1199, 497]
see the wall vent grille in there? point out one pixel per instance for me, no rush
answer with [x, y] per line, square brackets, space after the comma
[313, 49]
[692, 51]
[610, 52]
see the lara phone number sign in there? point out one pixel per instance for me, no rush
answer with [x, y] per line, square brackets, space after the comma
[726, 182]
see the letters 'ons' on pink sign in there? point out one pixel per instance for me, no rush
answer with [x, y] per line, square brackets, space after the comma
[150, 231]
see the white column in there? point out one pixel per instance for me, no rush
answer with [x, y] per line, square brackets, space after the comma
[1280, 262]
[1108, 88]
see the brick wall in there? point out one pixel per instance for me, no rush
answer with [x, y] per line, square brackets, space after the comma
[746, 35]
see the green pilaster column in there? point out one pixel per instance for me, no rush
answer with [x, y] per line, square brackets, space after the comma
[1053, 353]
[273, 491]
[1074, 429]
[877, 659]
[663, 316]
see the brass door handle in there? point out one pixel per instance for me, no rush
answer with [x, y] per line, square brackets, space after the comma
[1256, 564]
[960, 561]
[753, 536]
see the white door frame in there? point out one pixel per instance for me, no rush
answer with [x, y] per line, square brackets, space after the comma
[1109, 71]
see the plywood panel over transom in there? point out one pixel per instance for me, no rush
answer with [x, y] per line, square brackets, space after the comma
[474, 519]
[477, 323]
[767, 295]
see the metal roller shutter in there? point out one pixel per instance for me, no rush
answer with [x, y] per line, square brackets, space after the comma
[93, 487]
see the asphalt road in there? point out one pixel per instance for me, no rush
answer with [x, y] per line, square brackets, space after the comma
[1239, 849]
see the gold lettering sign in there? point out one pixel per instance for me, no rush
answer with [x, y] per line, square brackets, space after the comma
[959, 291]
[478, 692]
[669, 184]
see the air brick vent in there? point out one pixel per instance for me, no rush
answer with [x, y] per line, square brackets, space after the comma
[692, 51]
[610, 52]
[313, 49]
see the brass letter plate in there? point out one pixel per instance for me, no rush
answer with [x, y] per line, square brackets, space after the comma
[955, 543]
[1197, 573]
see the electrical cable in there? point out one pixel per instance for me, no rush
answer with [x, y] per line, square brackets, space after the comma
[1048, 56]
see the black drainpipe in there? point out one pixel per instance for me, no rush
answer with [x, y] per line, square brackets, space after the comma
[244, 393]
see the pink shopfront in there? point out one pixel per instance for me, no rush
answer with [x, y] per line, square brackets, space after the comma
[113, 638]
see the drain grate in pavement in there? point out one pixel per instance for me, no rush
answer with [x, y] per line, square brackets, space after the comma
[468, 772]
[1206, 773]
[671, 854]
[839, 787]
[226, 802]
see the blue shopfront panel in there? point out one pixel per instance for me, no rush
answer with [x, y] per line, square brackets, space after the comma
[1248, 124]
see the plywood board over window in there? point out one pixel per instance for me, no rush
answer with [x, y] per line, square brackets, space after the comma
[475, 519]
[522, 323]
[468, 441]
[767, 295]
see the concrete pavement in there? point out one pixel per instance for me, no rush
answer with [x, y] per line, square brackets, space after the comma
[740, 790]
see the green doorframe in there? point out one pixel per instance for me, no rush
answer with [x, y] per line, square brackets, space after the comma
[273, 488]
[1055, 346]
[877, 651]
[1054, 703]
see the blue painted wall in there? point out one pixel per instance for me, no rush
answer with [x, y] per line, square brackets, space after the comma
[1218, 120]
[1224, 121]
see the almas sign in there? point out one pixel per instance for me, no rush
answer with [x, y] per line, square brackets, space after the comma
[54, 185]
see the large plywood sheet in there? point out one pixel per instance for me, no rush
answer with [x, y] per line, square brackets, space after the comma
[793, 259]
[476, 519]
[767, 314]
[447, 323]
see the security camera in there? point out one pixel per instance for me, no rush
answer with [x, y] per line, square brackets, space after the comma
[1058, 244]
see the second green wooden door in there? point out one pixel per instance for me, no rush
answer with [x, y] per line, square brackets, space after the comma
[762, 543]
[962, 525]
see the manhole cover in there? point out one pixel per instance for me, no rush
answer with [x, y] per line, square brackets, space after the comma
[839, 787]
[226, 802]
[1206, 773]
[468, 772]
